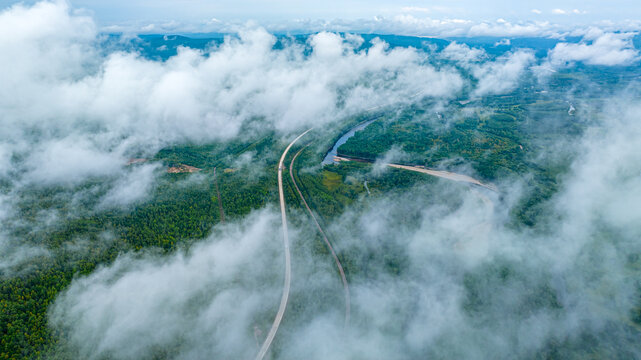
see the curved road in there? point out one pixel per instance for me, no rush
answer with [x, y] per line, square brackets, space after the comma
[327, 242]
[286, 287]
[288, 267]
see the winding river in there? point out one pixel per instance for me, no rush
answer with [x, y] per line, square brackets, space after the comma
[329, 158]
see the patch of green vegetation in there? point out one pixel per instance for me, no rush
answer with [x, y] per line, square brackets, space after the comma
[331, 180]
[492, 142]
[498, 136]
[182, 209]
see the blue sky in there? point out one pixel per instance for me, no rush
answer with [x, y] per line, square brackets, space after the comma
[191, 14]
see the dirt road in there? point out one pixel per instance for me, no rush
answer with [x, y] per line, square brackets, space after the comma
[445, 175]
[325, 239]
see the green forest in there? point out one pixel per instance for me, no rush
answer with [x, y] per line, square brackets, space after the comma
[495, 137]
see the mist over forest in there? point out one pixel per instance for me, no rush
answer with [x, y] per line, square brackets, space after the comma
[486, 204]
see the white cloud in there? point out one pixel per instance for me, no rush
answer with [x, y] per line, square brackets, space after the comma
[503, 42]
[503, 74]
[148, 28]
[73, 110]
[506, 28]
[73, 114]
[56, 82]
[463, 53]
[328, 45]
[537, 11]
[393, 155]
[5, 160]
[568, 12]
[70, 161]
[596, 48]
[412, 25]
[133, 187]
[138, 304]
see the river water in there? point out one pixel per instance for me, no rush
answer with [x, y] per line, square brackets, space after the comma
[329, 158]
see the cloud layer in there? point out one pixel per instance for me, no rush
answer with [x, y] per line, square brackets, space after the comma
[62, 91]
[597, 48]
[75, 110]
[463, 282]
[437, 272]
[207, 301]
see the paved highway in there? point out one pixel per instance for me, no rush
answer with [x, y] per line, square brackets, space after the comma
[286, 287]
[288, 266]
